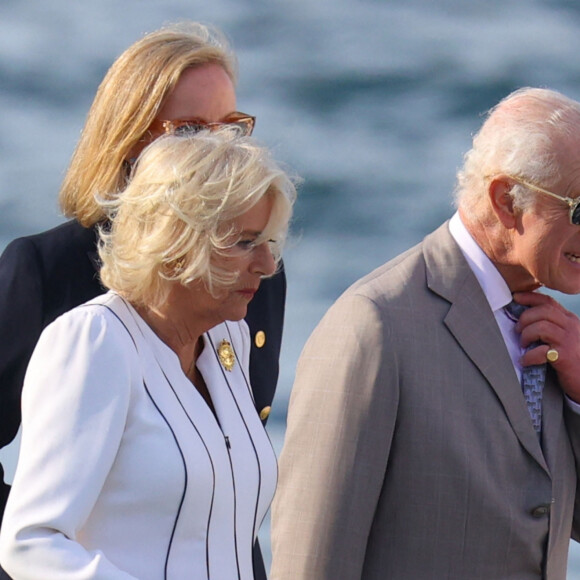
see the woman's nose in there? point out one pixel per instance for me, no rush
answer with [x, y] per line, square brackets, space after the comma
[263, 262]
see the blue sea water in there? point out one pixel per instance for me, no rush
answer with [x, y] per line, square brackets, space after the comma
[372, 102]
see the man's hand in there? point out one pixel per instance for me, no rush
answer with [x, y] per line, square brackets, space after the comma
[557, 328]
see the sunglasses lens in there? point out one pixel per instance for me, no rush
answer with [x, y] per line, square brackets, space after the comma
[245, 123]
[575, 216]
[189, 128]
[246, 126]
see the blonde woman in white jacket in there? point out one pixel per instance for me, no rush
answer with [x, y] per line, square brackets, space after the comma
[142, 453]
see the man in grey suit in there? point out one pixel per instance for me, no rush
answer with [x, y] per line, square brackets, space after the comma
[412, 452]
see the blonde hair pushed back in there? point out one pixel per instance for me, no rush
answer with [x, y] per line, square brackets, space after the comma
[126, 103]
[176, 215]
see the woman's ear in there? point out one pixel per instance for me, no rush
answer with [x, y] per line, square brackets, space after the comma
[502, 202]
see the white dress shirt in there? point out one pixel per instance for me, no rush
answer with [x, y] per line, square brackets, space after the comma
[124, 471]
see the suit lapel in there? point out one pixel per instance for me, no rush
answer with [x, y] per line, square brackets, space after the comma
[473, 324]
[552, 416]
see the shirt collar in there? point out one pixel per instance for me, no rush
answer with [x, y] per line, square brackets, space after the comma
[491, 281]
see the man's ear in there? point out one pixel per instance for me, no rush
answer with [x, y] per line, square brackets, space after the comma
[502, 202]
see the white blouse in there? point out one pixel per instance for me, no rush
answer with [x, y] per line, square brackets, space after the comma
[124, 471]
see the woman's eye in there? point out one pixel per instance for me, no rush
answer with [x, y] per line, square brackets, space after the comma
[246, 244]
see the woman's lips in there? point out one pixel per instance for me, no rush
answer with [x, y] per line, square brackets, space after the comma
[248, 292]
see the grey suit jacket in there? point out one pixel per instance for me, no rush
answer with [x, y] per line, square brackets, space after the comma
[409, 452]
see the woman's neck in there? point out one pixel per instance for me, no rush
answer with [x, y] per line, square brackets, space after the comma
[176, 331]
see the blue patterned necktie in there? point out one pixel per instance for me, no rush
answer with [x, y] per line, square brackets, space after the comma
[533, 377]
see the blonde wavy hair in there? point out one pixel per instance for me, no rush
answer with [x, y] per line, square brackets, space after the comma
[127, 101]
[175, 216]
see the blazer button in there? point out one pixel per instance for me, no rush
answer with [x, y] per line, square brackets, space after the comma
[265, 412]
[260, 339]
[541, 511]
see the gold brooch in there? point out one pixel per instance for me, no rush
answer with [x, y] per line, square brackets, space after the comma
[226, 355]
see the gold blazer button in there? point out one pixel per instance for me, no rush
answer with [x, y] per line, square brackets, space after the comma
[265, 413]
[260, 338]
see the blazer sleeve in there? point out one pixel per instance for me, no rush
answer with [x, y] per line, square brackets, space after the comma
[266, 315]
[340, 424]
[21, 321]
[75, 401]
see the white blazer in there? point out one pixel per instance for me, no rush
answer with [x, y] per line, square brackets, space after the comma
[124, 471]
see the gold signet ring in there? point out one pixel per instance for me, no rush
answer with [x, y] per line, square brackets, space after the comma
[552, 355]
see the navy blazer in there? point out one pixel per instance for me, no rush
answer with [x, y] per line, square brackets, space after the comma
[44, 275]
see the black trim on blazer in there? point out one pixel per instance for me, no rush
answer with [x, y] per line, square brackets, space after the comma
[178, 514]
[258, 464]
[172, 434]
[200, 438]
